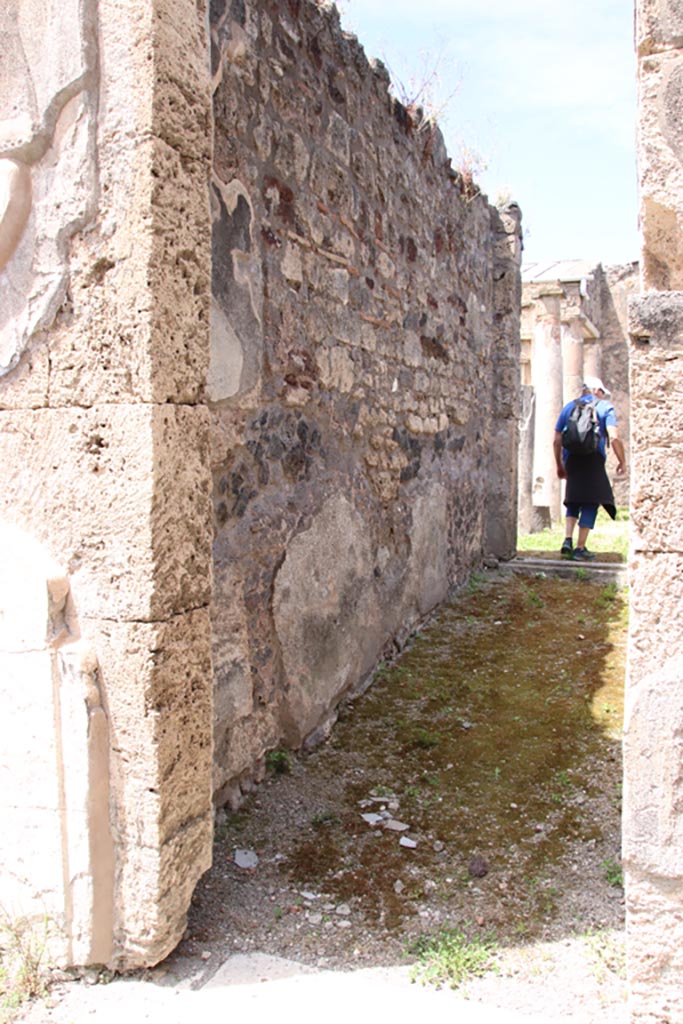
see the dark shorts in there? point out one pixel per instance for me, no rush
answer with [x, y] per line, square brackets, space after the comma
[586, 514]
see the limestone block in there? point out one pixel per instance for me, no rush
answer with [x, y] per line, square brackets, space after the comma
[182, 100]
[336, 368]
[654, 936]
[326, 615]
[655, 492]
[660, 160]
[132, 551]
[659, 25]
[653, 755]
[155, 887]
[179, 276]
[158, 684]
[26, 387]
[656, 328]
[656, 594]
[157, 680]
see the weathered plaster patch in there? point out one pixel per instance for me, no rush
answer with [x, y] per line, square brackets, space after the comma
[326, 616]
[47, 180]
[15, 206]
[237, 295]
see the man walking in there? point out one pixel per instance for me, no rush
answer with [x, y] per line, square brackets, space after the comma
[588, 485]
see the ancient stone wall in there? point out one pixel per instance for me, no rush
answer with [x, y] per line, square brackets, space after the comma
[105, 662]
[363, 379]
[653, 791]
[343, 362]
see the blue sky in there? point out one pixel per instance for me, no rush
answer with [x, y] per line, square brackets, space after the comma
[542, 94]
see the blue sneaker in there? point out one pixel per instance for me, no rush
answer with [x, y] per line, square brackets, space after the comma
[583, 555]
[567, 548]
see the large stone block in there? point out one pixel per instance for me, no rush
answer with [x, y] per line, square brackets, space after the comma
[660, 159]
[656, 595]
[653, 755]
[157, 684]
[158, 687]
[654, 936]
[139, 551]
[659, 25]
[182, 97]
[155, 888]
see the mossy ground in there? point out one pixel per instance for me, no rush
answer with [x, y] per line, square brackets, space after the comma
[495, 733]
[495, 737]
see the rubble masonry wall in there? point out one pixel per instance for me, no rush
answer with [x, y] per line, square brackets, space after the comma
[363, 382]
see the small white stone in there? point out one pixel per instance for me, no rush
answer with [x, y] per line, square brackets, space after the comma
[343, 924]
[396, 826]
[246, 859]
[343, 910]
[372, 818]
[410, 844]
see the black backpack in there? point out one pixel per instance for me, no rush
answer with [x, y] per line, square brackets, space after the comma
[581, 435]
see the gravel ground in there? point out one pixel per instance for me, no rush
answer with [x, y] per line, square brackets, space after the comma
[301, 875]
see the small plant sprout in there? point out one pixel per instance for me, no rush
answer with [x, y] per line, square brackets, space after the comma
[613, 872]
[422, 95]
[450, 958]
[278, 762]
[23, 944]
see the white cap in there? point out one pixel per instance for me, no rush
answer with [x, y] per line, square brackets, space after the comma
[595, 384]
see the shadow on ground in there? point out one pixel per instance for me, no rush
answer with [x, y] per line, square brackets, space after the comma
[476, 785]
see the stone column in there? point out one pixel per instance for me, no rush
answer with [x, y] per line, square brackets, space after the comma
[525, 459]
[104, 343]
[547, 383]
[653, 750]
[572, 358]
[592, 358]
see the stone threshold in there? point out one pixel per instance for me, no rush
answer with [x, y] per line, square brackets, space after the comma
[593, 572]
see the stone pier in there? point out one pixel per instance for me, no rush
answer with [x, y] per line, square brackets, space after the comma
[653, 749]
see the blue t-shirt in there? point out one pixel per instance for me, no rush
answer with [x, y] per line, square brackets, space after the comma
[606, 415]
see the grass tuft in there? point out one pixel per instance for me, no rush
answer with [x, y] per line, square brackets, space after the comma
[23, 972]
[608, 536]
[450, 958]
